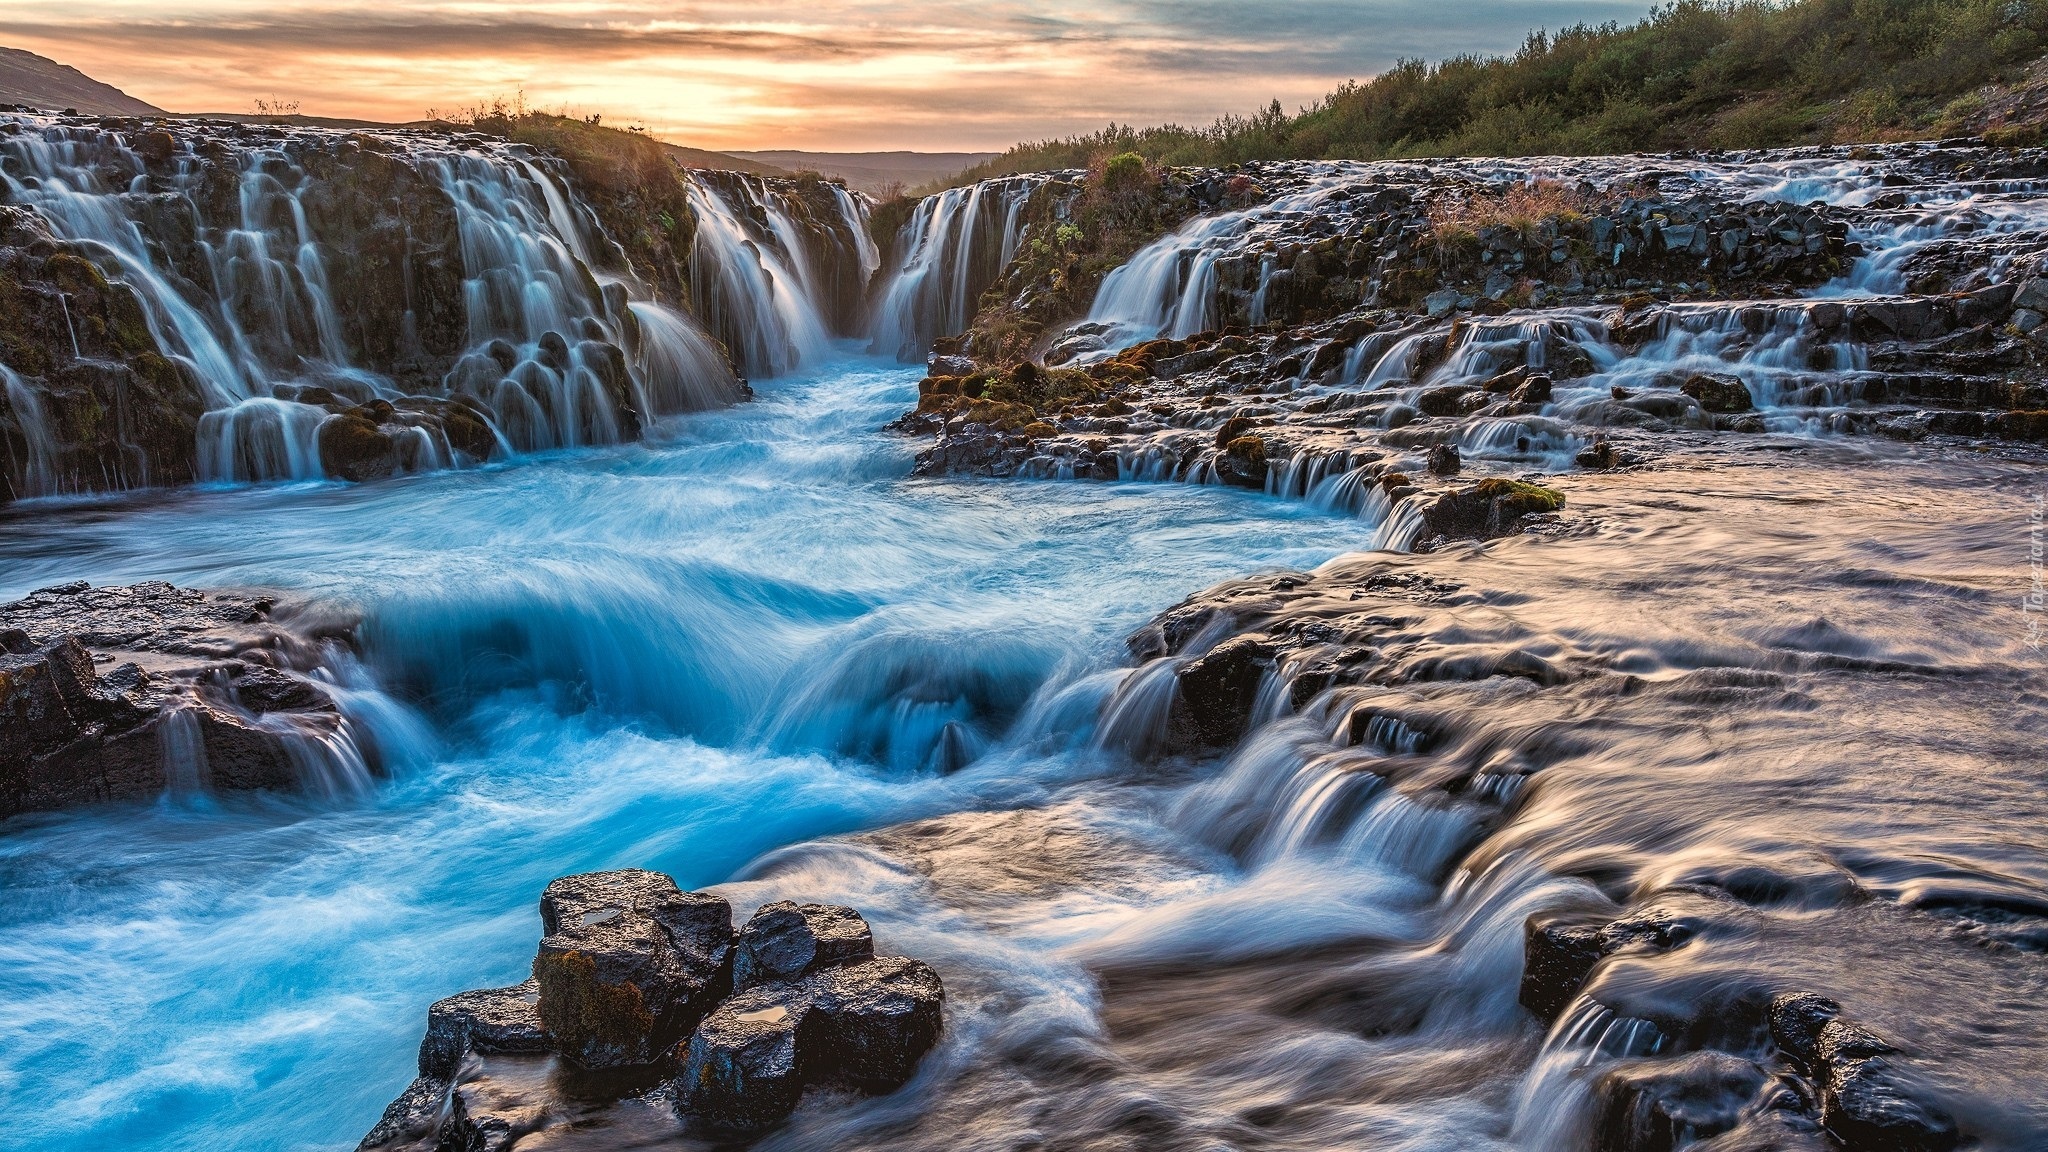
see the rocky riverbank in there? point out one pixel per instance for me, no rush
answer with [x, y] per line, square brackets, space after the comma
[125, 693]
[1367, 331]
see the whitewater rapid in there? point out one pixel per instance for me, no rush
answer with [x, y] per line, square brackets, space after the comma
[680, 655]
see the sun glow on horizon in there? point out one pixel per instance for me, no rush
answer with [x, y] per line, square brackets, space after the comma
[830, 75]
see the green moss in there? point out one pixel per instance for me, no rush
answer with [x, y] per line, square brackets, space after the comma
[1251, 450]
[1520, 497]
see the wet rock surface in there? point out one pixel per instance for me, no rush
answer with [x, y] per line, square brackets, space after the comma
[120, 693]
[1518, 321]
[628, 965]
[784, 942]
[633, 1022]
[191, 299]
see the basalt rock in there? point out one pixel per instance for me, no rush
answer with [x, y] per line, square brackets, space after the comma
[1217, 692]
[486, 1020]
[1665, 1105]
[1869, 1098]
[821, 1010]
[628, 965]
[1718, 392]
[864, 1025]
[1492, 507]
[119, 693]
[874, 1021]
[1557, 956]
[743, 1069]
[784, 942]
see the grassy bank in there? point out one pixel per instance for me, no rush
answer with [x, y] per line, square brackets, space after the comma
[1741, 74]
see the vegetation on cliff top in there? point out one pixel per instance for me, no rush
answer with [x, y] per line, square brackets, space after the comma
[1124, 203]
[629, 178]
[1716, 73]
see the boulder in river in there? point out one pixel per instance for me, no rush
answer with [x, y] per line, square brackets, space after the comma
[743, 1068]
[486, 1020]
[1869, 1098]
[1659, 1105]
[1718, 392]
[863, 1025]
[632, 980]
[786, 941]
[629, 964]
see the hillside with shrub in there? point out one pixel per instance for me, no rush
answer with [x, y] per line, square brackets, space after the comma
[1741, 74]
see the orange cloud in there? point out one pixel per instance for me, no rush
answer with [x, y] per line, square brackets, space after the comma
[828, 74]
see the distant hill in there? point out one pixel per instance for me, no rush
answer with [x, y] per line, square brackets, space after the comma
[723, 161]
[874, 172]
[39, 82]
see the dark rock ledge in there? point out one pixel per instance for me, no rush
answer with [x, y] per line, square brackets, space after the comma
[648, 1009]
[1846, 1080]
[120, 693]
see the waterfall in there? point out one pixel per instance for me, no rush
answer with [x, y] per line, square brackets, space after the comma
[771, 278]
[681, 368]
[1170, 287]
[954, 247]
[34, 471]
[453, 294]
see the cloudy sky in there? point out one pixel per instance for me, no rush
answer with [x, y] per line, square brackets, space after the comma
[837, 75]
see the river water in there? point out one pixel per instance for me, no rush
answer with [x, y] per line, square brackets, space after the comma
[1800, 671]
[678, 655]
[1797, 704]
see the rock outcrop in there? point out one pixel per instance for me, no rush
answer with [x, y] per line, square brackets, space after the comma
[191, 299]
[628, 965]
[648, 997]
[1493, 320]
[122, 693]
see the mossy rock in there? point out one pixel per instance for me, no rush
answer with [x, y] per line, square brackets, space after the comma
[585, 1014]
[1490, 508]
[1003, 417]
[2022, 426]
[1524, 496]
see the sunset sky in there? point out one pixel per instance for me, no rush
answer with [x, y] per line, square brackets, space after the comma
[837, 75]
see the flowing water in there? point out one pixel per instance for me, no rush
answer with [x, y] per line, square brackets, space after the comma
[953, 247]
[1786, 689]
[677, 656]
[1785, 678]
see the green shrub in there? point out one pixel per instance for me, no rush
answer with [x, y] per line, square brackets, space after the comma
[1732, 73]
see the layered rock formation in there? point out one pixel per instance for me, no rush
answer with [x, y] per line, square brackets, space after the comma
[219, 301]
[1364, 331]
[124, 693]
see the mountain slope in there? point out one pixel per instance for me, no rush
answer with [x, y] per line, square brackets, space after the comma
[39, 82]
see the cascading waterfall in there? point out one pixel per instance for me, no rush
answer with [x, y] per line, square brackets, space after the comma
[954, 246]
[1169, 288]
[541, 337]
[761, 281]
[69, 176]
[32, 471]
